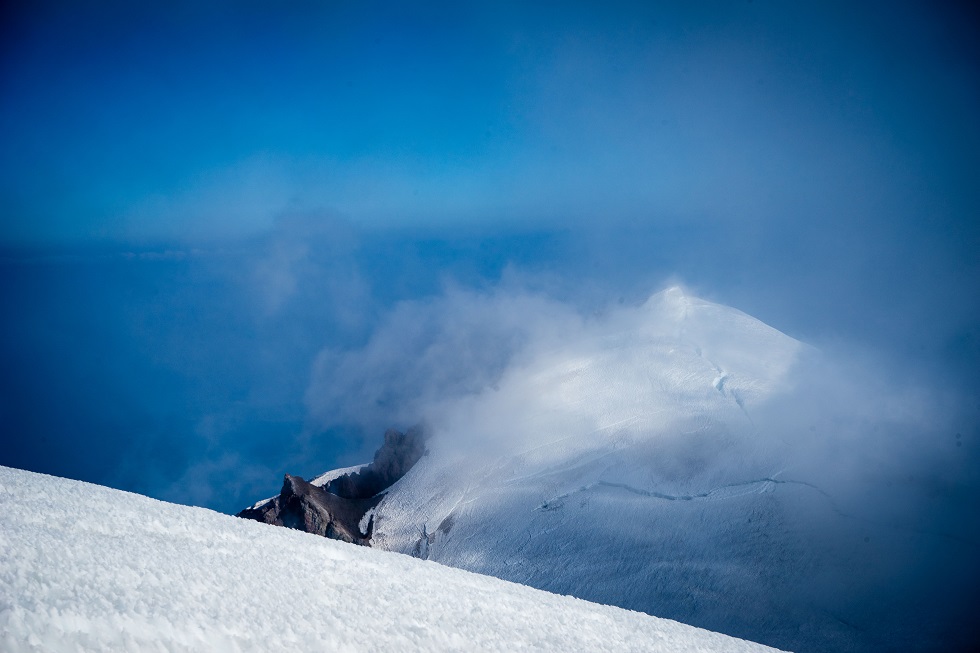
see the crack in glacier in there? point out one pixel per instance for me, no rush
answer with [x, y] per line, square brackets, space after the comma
[758, 485]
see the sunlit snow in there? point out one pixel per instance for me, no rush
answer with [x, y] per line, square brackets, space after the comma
[87, 568]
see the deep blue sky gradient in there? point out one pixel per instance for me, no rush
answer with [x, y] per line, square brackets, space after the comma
[125, 122]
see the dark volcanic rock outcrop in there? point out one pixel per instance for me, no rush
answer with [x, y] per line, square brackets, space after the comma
[337, 509]
[312, 509]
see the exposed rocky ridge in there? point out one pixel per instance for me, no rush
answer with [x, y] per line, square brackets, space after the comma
[337, 509]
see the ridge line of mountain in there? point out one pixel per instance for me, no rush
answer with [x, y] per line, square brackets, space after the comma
[337, 509]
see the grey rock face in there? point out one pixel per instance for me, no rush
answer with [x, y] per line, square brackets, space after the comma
[337, 509]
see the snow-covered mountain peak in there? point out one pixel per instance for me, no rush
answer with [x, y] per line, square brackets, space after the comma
[674, 297]
[730, 342]
[674, 364]
[678, 457]
[646, 397]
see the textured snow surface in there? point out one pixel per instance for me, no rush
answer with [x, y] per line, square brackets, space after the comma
[87, 568]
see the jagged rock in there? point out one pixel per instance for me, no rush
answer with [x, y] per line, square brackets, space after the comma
[337, 509]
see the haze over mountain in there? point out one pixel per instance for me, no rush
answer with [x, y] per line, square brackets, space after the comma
[683, 459]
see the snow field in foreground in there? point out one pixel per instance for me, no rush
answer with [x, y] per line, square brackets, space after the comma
[87, 568]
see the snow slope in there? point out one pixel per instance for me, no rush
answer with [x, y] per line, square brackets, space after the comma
[87, 568]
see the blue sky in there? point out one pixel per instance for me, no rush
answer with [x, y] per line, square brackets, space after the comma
[133, 123]
[198, 198]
